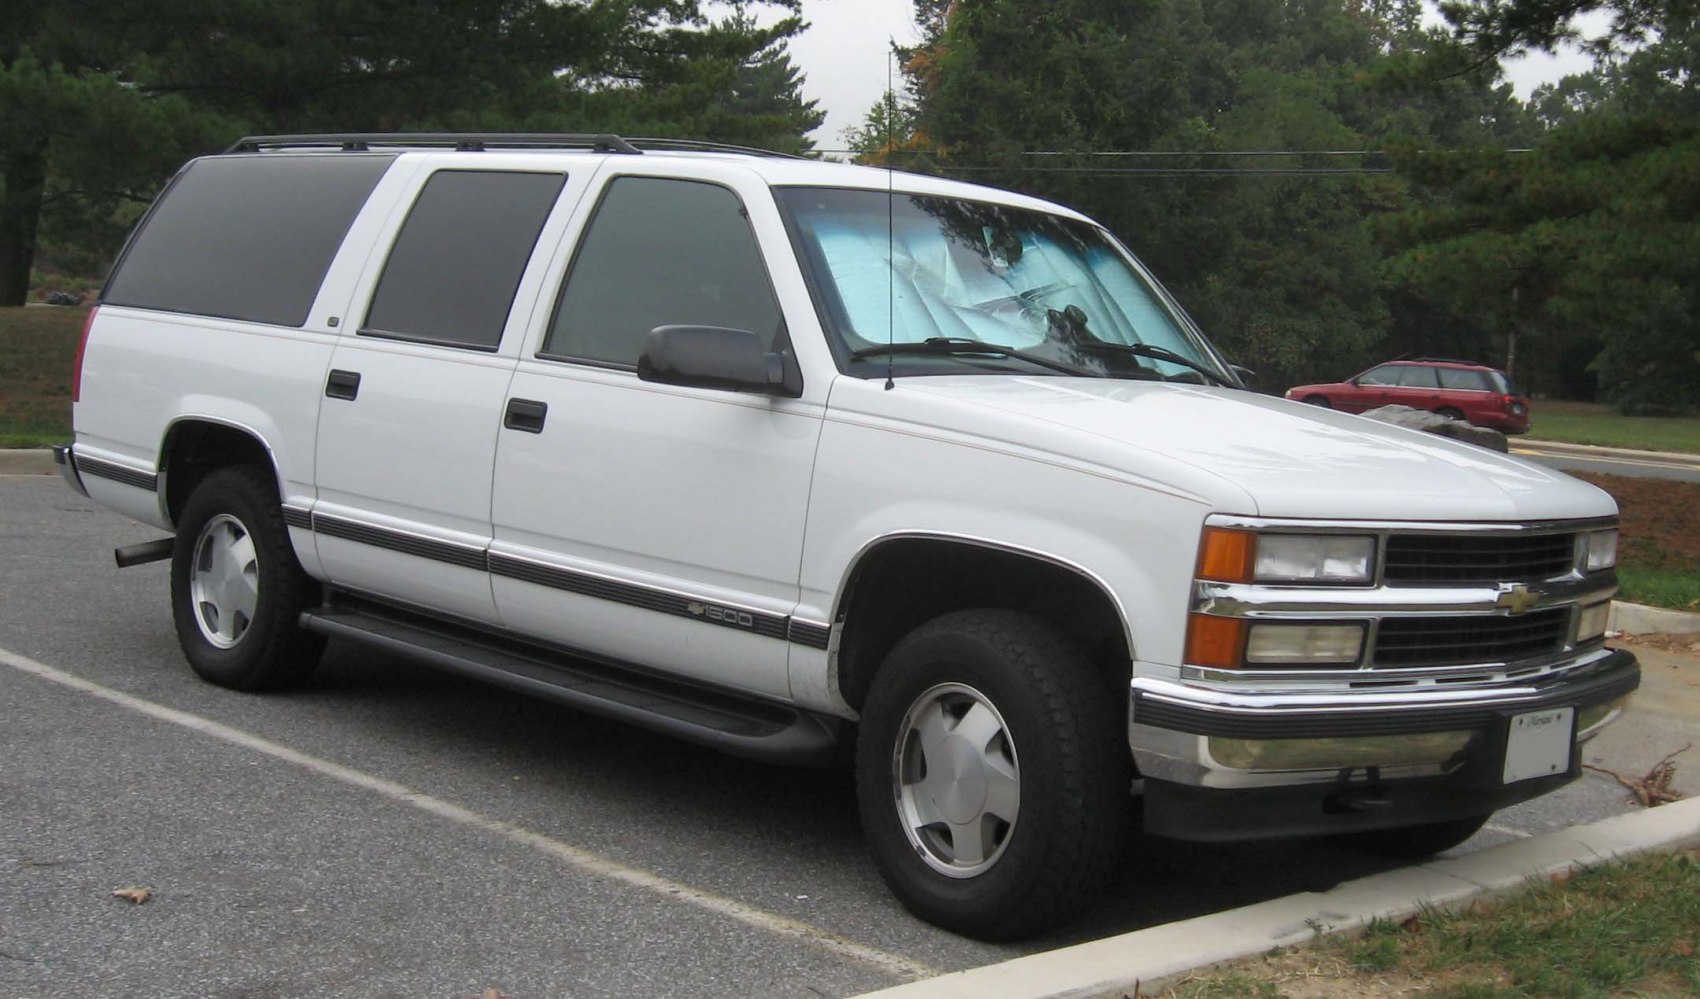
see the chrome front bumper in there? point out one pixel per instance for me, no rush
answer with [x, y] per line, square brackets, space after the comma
[1209, 737]
[1223, 765]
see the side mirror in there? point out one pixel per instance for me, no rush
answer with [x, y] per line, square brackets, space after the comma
[715, 357]
[1247, 377]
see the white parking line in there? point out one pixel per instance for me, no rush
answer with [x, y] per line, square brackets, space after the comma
[894, 965]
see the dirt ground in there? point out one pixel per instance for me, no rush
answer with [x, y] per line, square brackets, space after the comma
[1659, 513]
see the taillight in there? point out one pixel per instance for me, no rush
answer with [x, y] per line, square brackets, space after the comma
[82, 345]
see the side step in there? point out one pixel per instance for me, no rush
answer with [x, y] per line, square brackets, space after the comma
[729, 722]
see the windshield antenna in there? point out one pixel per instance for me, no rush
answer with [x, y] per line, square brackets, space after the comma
[890, 214]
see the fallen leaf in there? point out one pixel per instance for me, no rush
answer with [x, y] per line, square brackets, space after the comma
[135, 896]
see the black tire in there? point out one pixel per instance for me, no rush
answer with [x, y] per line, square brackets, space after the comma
[1415, 842]
[1318, 400]
[267, 648]
[1449, 413]
[1065, 723]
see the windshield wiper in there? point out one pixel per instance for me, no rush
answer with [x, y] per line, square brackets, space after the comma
[954, 346]
[1150, 350]
[1069, 326]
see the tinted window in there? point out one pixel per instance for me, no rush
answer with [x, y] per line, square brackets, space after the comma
[245, 237]
[661, 253]
[457, 261]
[1460, 378]
[1417, 376]
[1387, 374]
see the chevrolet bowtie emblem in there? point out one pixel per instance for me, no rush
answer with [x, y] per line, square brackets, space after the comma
[1517, 599]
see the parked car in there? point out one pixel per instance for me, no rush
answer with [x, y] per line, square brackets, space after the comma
[773, 454]
[1484, 396]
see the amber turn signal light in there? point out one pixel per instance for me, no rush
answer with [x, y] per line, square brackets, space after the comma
[1226, 555]
[1217, 642]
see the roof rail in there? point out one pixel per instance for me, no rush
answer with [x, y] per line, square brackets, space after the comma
[1451, 360]
[465, 141]
[476, 142]
[700, 145]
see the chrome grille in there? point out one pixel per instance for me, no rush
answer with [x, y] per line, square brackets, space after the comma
[1453, 641]
[1438, 559]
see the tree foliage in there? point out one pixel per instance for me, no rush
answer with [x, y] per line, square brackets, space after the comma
[1279, 265]
[98, 102]
[1597, 232]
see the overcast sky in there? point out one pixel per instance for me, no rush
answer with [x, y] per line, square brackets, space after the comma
[844, 57]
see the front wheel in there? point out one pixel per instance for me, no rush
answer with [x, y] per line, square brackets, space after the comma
[1318, 400]
[992, 774]
[236, 588]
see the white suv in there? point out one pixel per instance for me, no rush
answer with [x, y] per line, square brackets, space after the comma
[773, 454]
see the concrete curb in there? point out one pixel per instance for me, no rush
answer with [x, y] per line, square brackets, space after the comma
[24, 461]
[1147, 960]
[1639, 619]
[1595, 450]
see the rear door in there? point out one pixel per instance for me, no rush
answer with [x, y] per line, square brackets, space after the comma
[413, 399]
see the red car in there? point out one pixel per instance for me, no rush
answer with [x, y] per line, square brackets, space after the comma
[1486, 397]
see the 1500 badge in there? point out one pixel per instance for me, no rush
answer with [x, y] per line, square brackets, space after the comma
[722, 615]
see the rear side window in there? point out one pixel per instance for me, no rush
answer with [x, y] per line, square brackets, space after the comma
[245, 237]
[661, 253]
[1417, 376]
[1461, 378]
[451, 277]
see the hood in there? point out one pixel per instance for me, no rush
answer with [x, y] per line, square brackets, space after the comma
[1286, 458]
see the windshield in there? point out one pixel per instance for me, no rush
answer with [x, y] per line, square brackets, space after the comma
[915, 282]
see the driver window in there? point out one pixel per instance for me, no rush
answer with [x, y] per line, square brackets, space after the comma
[660, 252]
[1384, 375]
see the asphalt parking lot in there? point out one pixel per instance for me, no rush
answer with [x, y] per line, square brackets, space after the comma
[388, 831]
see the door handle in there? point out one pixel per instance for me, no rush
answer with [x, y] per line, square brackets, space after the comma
[525, 414]
[342, 384]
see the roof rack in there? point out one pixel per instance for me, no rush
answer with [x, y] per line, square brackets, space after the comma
[1451, 360]
[465, 141]
[699, 145]
[477, 142]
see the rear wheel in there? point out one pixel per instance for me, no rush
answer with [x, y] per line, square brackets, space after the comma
[1415, 842]
[1450, 413]
[1318, 400]
[993, 774]
[236, 588]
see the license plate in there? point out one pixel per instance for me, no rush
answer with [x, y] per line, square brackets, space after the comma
[1539, 744]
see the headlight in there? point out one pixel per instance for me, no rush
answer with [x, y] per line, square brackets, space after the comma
[1602, 550]
[1304, 644]
[1301, 558]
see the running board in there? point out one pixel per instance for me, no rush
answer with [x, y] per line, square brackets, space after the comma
[729, 722]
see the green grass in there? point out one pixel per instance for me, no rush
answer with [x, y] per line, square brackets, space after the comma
[1589, 423]
[38, 347]
[1675, 587]
[1623, 928]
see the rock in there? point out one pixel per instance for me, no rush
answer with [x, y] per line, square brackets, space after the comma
[1445, 426]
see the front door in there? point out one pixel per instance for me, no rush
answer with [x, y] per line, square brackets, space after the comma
[656, 524]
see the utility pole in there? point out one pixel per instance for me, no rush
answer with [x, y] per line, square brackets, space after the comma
[1511, 338]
